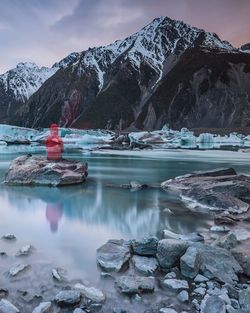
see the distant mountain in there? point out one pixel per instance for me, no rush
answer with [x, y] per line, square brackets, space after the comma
[168, 72]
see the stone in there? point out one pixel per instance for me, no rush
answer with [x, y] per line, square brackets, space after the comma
[56, 274]
[14, 271]
[68, 298]
[91, 293]
[194, 237]
[242, 255]
[24, 251]
[213, 304]
[175, 284]
[244, 299]
[7, 307]
[200, 278]
[135, 284]
[145, 265]
[241, 234]
[183, 296]
[43, 307]
[200, 291]
[235, 304]
[167, 310]
[170, 251]
[170, 275]
[220, 228]
[9, 236]
[145, 247]
[37, 170]
[214, 263]
[190, 263]
[78, 310]
[228, 241]
[113, 256]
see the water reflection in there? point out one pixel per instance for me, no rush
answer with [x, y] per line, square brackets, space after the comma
[54, 212]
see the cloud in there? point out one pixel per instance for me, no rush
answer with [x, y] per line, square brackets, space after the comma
[45, 31]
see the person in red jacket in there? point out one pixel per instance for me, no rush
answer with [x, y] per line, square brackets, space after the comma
[54, 144]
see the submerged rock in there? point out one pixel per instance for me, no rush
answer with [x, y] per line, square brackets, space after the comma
[7, 307]
[68, 298]
[146, 246]
[37, 170]
[135, 284]
[113, 256]
[24, 251]
[14, 271]
[9, 236]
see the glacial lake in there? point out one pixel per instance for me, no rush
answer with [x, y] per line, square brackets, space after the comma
[66, 225]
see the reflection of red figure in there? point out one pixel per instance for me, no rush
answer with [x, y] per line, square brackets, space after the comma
[53, 215]
[54, 144]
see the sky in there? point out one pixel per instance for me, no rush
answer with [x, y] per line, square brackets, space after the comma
[45, 31]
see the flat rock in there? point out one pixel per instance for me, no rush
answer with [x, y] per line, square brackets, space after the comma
[37, 170]
[169, 251]
[146, 246]
[212, 262]
[113, 256]
[43, 307]
[175, 284]
[145, 265]
[16, 270]
[135, 284]
[91, 293]
[68, 298]
[7, 307]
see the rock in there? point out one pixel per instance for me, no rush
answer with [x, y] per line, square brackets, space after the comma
[146, 246]
[183, 296]
[24, 251]
[225, 219]
[242, 255]
[135, 284]
[7, 307]
[91, 293]
[228, 241]
[213, 304]
[220, 229]
[190, 262]
[78, 311]
[194, 237]
[244, 299]
[43, 307]
[175, 284]
[135, 185]
[213, 262]
[3, 292]
[170, 275]
[200, 278]
[9, 237]
[68, 298]
[113, 256]
[56, 275]
[169, 252]
[145, 265]
[241, 234]
[14, 271]
[235, 304]
[200, 291]
[167, 310]
[37, 170]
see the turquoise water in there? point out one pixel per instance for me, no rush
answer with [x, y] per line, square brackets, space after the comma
[67, 225]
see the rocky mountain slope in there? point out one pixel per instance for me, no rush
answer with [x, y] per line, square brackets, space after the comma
[168, 72]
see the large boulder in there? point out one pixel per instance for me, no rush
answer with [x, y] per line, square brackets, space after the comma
[146, 246]
[37, 170]
[145, 265]
[113, 256]
[213, 262]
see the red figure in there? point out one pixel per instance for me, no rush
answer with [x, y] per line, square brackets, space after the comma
[54, 144]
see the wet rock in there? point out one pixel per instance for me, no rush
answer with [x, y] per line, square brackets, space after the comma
[228, 241]
[57, 274]
[242, 255]
[183, 296]
[24, 251]
[146, 246]
[135, 185]
[190, 262]
[135, 284]
[145, 265]
[43, 307]
[68, 298]
[169, 252]
[220, 229]
[213, 304]
[91, 293]
[113, 256]
[37, 170]
[16, 270]
[7, 307]
[213, 262]
[9, 237]
[175, 284]
[244, 299]
[194, 237]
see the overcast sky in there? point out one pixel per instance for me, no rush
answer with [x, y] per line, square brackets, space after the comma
[44, 31]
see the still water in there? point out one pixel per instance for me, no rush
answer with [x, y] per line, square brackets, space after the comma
[67, 225]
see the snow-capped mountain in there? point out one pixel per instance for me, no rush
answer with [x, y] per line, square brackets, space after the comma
[168, 72]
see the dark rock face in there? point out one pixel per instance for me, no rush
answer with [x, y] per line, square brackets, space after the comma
[146, 246]
[243, 257]
[37, 170]
[185, 77]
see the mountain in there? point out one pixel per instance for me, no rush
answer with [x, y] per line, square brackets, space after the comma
[18, 84]
[168, 72]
